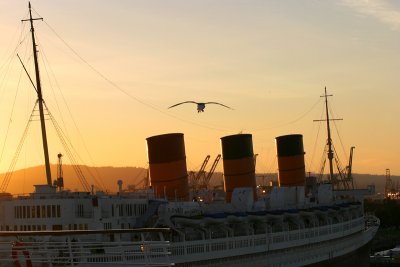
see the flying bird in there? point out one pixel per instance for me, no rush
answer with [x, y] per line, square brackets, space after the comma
[200, 105]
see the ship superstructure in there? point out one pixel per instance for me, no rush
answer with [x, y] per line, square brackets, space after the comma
[310, 221]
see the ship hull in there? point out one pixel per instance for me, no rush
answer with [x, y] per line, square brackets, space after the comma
[352, 250]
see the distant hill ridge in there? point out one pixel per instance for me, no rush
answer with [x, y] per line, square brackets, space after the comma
[106, 178]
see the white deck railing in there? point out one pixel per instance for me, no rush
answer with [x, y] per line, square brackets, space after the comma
[21, 250]
[241, 245]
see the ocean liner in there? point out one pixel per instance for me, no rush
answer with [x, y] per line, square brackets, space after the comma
[301, 221]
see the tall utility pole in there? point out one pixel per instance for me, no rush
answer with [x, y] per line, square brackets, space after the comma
[40, 98]
[329, 141]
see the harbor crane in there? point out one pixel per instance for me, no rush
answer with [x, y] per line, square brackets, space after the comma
[348, 179]
[196, 177]
[206, 180]
[59, 183]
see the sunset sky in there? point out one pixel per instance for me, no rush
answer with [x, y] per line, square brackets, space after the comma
[111, 69]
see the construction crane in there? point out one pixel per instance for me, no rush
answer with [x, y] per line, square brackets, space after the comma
[196, 176]
[201, 172]
[349, 169]
[206, 179]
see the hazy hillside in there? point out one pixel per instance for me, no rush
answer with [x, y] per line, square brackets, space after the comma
[361, 180]
[22, 181]
[106, 178]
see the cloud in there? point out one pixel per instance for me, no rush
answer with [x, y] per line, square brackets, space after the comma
[382, 10]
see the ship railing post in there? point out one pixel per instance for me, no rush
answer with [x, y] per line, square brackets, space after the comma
[45, 248]
[184, 244]
[143, 249]
[71, 256]
[123, 252]
[82, 255]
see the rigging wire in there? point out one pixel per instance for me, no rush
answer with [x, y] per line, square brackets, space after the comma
[272, 163]
[65, 133]
[73, 120]
[7, 65]
[70, 152]
[78, 171]
[10, 171]
[135, 98]
[149, 105]
[292, 121]
[10, 120]
[20, 40]
[46, 66]
[98, 182]
[339, 136]
[142, 180]
[322, 164]
[67, 143]
[310, 161]
[338, 178]
[338, 163]
[320, 172]
[49, 70]
[115, 86]
[316, 140]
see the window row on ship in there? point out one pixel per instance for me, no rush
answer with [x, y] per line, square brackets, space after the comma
[55, 227]
[39, 211]
[128, 209]
[54, 211]
[113, 210]
[23, 228]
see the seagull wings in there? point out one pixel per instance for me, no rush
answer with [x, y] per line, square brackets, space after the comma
[183, 103]
[200, 105]
[218, 104]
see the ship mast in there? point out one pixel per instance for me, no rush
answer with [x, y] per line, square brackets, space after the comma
[328, 128]
[332, 178]
[40, 98]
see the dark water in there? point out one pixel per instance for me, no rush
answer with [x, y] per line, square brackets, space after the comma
[384, 264]
[358, 258]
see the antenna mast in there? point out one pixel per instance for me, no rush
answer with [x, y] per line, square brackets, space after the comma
[40, 98]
